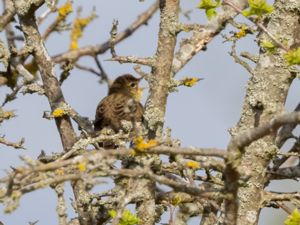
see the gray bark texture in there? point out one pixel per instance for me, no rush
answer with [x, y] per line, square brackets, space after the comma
[265, 98]
[155, 175]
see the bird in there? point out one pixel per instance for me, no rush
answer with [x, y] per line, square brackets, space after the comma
[121, 103]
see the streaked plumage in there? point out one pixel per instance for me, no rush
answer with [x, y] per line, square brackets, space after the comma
[114, 107]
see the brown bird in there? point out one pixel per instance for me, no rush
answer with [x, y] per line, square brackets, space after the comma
[121, 103]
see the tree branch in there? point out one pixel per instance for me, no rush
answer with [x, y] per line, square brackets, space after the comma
[161, 71]
[74, 55]
[51, 86]
[244, 139]
[201, 37]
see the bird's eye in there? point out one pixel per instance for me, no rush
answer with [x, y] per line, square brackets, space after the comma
[133, 85]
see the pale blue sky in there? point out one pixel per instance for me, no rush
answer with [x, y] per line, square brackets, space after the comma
[199, 116]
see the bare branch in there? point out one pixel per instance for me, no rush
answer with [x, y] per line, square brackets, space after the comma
[249, 56]
[277, 196]
[284, 207]
[113, 35]
[51, 85]
[246, 138]
[7, 15]
[260, 25]
[238, 60]
[237, 145]
[178, 186]
[132, 59]
[88, 69]
[139, 71]
[74, 55]
[103, 74]
[18, 145]
[52, 89]
[279, 161]
[286, 131]
[188, 151]
[61, 208]
[200, 38]
[161, 70]
[48, 11]
[286, 173]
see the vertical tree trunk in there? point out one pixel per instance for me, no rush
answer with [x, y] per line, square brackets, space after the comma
[157, 101]
[161, 71]
[265, 98]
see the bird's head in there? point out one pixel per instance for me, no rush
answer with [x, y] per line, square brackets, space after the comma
[126, 84]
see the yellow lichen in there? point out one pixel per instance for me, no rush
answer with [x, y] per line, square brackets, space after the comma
[16, 195]
[133, 153]
[176, 200]
[192, 164]
[241, 33]
[82, 166]
[64, 10]
[77, 29]
[190, 82]
[58, 112]
[6, 114]
[141, 145]
[60, 171]
[74, 45]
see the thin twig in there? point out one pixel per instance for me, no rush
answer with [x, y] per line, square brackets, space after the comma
[113, 35]
[103, 74]
[88, 69]
[74, 55]
[45, 14]
[286, 131]
[260, 25]
[238, 60]
[18, 145]
[133, 59]
[284, 207]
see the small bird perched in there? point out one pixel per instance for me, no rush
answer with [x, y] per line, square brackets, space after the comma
[121, 103]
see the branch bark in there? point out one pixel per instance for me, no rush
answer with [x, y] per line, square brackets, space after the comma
[161, 71]
[200, 38]
[156, 102]
[265, 98]
[51, 86]
[92, 50]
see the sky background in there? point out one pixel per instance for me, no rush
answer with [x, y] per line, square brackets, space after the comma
[198, 116]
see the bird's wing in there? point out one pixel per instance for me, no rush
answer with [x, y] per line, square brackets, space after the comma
[110, 112]
[102, 111]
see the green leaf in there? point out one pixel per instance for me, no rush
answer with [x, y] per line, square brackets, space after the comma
[268, 46]
[293, 219]
[210, 13]
[293, 57]
[112, 213]
[210, 7]
[128, 218]
[258, 8]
